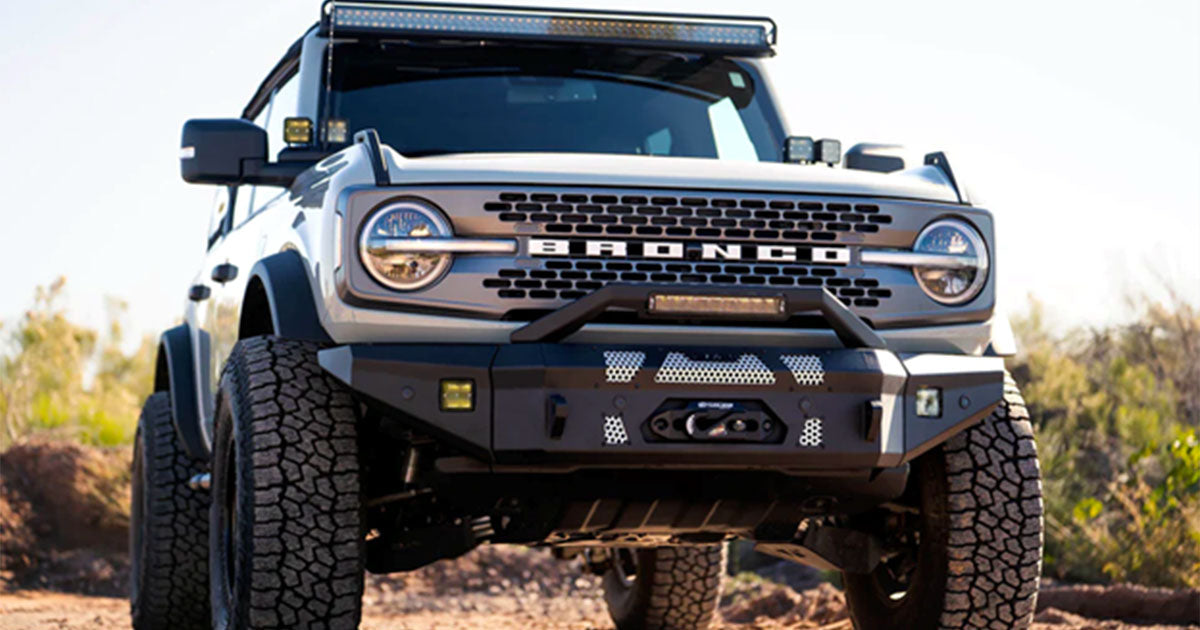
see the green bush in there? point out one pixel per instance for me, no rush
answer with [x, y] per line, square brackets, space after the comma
[1116, 411]
[60, 379]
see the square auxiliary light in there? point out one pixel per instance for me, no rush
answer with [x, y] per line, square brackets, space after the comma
[829, 151]
[728, 305]
[297, 131]
[799, 150]
[457, 395]
[929, 402]
[337, 130]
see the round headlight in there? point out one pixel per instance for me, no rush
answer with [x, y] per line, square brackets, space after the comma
[382, 251]
[958, 282]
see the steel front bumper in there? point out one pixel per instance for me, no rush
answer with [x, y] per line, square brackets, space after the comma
[545, 406]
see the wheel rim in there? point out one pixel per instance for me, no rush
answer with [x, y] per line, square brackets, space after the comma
[625, 566]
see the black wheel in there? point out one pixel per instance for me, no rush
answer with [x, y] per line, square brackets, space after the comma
[971, 556]
[168, 535]
[286, 531]
[664, 588]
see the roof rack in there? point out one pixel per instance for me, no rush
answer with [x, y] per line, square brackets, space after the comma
[720, 34]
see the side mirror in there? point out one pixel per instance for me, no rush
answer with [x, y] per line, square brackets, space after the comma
[230, 152]
[215, 151]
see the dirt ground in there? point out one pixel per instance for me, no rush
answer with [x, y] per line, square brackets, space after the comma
[63, 529]
[41, 610]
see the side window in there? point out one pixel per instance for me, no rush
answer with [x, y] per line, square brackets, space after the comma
[216, 219]
[243, 196]
[285, 103]
[243, 200]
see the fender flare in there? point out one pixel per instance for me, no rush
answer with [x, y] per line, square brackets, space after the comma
[175, 374]
[285, 281]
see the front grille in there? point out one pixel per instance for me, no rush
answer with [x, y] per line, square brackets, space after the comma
[800, 222]
[698, 216]
[569, 279]
[573, 240]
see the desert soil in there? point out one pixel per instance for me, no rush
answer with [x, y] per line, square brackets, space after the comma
[42, 610]
[64, 527]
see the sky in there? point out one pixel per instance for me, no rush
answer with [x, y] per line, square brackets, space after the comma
[1076, 123]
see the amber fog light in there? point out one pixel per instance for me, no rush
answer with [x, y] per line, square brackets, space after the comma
[457, 395]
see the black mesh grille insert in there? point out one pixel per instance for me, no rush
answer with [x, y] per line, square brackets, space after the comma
[699, 216]
[574, 278]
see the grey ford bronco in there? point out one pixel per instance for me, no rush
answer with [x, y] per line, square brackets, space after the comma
[481, 275]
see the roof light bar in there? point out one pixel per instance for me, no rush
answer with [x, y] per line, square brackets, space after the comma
[740, 35]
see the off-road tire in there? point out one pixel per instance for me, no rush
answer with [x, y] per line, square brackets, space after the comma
[980, 552]
[676, 588]
[168, 535]
[286, 530]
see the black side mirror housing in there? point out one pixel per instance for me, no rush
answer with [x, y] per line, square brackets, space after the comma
[230, 152]
[212, 151]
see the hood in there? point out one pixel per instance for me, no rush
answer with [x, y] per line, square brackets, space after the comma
[926, 183]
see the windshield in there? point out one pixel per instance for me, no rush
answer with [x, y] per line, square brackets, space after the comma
[430, 100]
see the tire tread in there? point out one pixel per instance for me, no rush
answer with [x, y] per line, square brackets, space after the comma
[306, 548]
[996, 511]
[173, 591]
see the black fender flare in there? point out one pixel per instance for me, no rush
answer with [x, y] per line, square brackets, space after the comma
[175, 374]
[286, 284]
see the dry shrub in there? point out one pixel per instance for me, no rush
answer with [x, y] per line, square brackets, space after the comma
[72, 497]
[1117, 411]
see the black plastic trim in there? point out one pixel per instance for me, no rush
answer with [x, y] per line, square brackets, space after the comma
[290, 296]
[283, 70]
[370, 139]
[940, 160]
[555, 326]
[175, 347]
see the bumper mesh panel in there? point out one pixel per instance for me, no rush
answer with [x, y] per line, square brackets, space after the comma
[810, 436]
[746, 370]
[807, 369]
[614, 431]
[621, 366]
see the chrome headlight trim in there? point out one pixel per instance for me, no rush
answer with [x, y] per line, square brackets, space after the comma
[441, 230]
[452, 245]
[918, 260]
[981, 261]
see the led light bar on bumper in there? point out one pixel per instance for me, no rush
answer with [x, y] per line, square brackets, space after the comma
[709, 305]
[735, 35]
